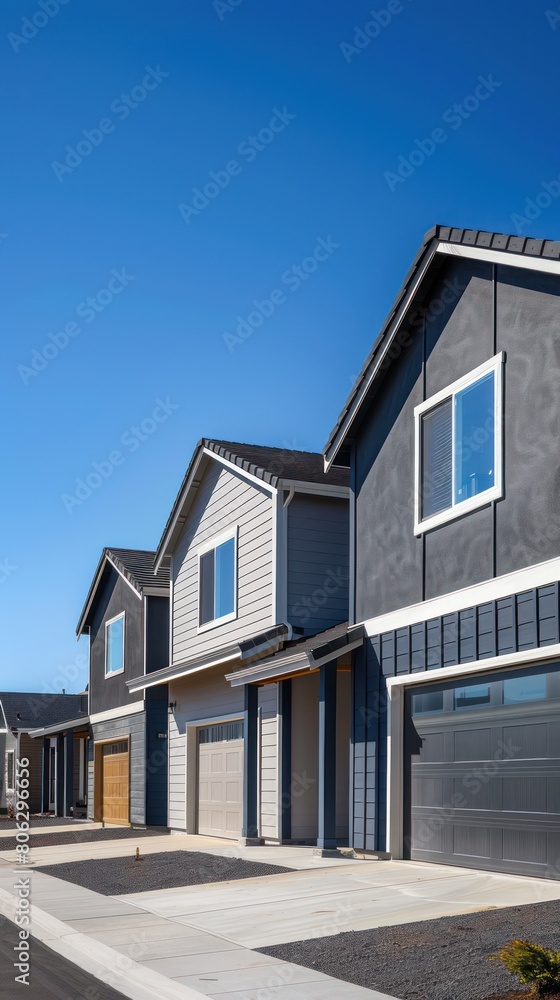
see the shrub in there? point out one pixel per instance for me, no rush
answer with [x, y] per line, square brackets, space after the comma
[533, 965]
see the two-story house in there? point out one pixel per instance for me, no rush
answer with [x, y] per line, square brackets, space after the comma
[258, 546]
[126, 616]
[451, 438]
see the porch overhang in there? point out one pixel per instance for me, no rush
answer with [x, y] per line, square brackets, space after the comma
[76, 726]
[246, 651]
[306, 656]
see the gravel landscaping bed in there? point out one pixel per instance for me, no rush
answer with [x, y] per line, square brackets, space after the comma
[167, 870]
[7, 822]
[80, 835]
[445, 959]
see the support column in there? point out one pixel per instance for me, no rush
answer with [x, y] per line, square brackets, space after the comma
[327, 756]
[59, 805]
[45, 773]
[68, 773]
[285, 737]
[250, 831]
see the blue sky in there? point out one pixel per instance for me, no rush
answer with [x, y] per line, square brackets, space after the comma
[117, 114]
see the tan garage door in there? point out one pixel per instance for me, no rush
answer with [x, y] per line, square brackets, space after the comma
[116, 785]
[220, 780]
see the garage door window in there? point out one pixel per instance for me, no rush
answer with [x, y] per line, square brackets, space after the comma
[429, 701]
[221, 733]
[472, 697]
[521, 689]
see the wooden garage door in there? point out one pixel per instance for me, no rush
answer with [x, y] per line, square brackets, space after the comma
[482, 785]
[116, 783]
[220, 780]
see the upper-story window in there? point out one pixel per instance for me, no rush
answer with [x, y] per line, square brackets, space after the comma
[459, 447]
[114, 646]
[217, 573]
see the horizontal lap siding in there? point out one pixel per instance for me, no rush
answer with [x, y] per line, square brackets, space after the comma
[224, 501]
[133, 726]
[318, 547]
[207, 695]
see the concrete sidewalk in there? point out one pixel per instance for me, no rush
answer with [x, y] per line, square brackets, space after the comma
[145, 955]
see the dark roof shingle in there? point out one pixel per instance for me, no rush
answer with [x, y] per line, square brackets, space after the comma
[24, 710]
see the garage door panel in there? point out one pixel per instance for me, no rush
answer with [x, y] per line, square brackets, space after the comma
[220, 785]
[116, 784]
[491, 799]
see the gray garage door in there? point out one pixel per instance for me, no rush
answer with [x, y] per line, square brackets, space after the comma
[482, 774]
[220, 780]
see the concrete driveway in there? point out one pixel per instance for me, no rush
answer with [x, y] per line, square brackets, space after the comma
[352, 895]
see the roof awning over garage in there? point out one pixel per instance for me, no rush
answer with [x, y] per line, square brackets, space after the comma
[302, 656]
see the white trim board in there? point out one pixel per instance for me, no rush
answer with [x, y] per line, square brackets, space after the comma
[240, 471]
[480, 593]
[505, 257]
[117, 713]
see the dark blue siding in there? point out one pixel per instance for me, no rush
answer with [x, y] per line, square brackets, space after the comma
[156, 755]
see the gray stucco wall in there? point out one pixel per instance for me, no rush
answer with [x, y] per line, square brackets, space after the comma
[493, 309]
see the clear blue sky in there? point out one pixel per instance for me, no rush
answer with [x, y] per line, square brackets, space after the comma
[218, 76]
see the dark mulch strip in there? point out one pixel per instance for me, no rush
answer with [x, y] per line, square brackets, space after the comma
[166, 870]
[7, 822]
[81, 835]
[431, 959]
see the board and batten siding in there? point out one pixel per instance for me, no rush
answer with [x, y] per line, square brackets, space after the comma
[133, 726]
[204, 696]
[318, 562]
[224, 500]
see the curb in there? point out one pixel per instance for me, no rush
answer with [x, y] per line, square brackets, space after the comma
[133, 980]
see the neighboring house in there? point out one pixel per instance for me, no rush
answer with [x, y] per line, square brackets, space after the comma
[20, 714]
[451, 436]
[258, 543]
[126, 616]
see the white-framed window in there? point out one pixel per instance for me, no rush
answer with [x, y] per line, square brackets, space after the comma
[458, 447]
[114, 646]
[10, 770]
[217, 580]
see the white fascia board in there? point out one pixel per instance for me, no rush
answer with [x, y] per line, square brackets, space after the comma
[507, 258]
[182, 671]
[322, 489]
[118, 713]
[121, 574]
[525, 657]
[332, 452]
[242, 677]
[490, 590]
[261, 483]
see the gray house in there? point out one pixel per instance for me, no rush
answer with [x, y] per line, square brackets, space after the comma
[258, 545]
[451, 440]
[21, 713]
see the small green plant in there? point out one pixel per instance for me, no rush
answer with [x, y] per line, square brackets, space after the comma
[533, 965]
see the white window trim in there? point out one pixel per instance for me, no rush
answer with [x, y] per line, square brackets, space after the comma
[11, 753]
[114, 673]
[495, 492]
[207, 546]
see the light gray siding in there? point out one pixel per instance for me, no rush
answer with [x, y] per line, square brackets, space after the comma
[133, 726]
[208, 696]
[224, 500]
[318, 546]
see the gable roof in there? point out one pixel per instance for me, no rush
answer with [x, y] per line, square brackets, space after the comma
[25, 711]
[271, 466]
[439, 243]
[136, 566]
